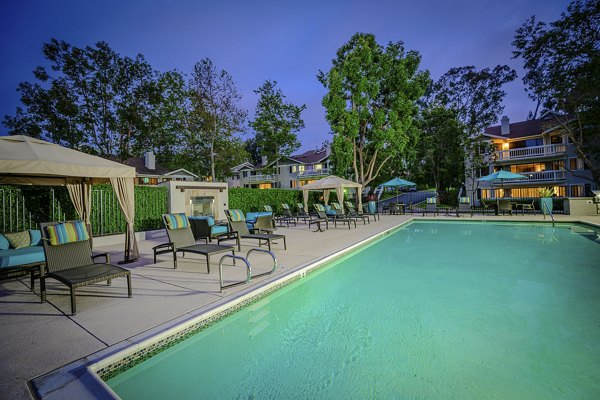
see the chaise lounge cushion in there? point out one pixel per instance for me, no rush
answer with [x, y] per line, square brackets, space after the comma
[22, 256]
[33, 252]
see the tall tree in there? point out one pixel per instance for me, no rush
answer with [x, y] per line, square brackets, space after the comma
[562, 64]
[476, 98]
[92, 98]
[215, 101]
[370, 103]
[442, 147]
[276, 122]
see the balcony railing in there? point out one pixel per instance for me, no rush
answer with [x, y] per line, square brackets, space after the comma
[263, 178]
[531, 152]
[536, 177]
[313, 172]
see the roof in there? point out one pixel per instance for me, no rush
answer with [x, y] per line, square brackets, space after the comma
[311, 156]
[140, 167]
[517, 130]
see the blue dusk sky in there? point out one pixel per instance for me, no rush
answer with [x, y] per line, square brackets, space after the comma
[286, 41]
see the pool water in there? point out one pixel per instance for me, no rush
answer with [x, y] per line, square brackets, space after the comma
[437, 310]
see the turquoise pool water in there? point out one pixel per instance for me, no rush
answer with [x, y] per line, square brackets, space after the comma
[437, 310]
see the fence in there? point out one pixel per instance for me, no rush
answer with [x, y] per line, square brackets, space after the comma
[20, 212]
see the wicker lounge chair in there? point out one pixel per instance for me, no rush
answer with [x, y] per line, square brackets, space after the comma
[69, 259]
[237, 225]
[181, 240]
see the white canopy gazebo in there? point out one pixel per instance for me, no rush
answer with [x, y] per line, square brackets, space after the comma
[330, 183]
[28, 161]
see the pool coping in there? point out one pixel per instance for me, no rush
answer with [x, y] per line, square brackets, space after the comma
[80, 379]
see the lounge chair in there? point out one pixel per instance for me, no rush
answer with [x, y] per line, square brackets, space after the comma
[287, 212]
[352, 212]
[321, 217]
[396, 208]
[237, 225]
[337, 216]
[69, 259]
[346, 215]
[302, 214]
[371, 209]
[464, 206]
[281, 219]
[181, 240]
[431, 206]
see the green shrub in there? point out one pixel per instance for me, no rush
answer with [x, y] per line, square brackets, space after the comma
[255, 199]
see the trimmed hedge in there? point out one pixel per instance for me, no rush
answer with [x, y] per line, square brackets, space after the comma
[247, 199]
[255, 199]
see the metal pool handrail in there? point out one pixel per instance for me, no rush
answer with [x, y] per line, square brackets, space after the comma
[269, 252]
[549, 212]
[248, 271]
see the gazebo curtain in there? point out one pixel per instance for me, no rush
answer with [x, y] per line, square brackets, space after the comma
[125, 194]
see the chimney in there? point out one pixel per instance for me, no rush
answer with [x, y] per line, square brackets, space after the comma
[149, 161]
[264, 160]
[504, 125]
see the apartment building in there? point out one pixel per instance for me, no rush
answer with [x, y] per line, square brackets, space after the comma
[286, 172]
[538, 150]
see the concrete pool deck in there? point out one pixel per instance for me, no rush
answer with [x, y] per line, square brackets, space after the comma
[40, 337]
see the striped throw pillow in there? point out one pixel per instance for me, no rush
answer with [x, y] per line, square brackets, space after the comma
[236, 215]
[464, 200]
[431, 200]
[176, 221]
[335, 205]
[67, 232]
[320, 207]
[285, 206]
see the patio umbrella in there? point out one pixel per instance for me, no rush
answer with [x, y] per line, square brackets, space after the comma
[501, 176]
[397, 183]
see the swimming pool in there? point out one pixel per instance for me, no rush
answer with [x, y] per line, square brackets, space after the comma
[437, 310]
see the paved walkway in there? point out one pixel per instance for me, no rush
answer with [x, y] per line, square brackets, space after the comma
[37, 338]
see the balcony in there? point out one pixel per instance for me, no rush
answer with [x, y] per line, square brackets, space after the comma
[537, 178]
[263, 178]
[309, 173]
[531, 152]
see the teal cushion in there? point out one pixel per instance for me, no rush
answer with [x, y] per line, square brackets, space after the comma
[252, 216]
[36, 237]
[24, 255]
[210, 219]
[4, 245]
[217, 229]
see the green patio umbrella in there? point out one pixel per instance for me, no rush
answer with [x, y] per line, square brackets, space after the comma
[397, 183]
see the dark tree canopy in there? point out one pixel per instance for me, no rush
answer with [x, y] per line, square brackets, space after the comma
[276, 122]
[92, 98]
[562, 64]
